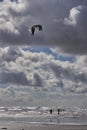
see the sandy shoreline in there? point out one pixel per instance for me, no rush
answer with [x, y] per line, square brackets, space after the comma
[43, 127]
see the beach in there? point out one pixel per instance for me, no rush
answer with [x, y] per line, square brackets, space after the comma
[31, 118]
[44, 127]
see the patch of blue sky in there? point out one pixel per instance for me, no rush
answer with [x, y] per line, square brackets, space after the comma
[50, 52]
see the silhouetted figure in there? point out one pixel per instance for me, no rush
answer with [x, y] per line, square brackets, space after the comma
[58, 111]
[51, 111]
[34, 27]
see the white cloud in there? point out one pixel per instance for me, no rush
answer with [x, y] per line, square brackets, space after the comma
[77, 19]
[73, 17]
[30, 78]
[42, 71]
[7, 24]
[8, 27]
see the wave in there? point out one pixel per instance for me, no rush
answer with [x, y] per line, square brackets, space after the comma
[69, 112]
[42, 115]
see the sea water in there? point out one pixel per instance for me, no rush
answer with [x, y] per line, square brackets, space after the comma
[41, 115]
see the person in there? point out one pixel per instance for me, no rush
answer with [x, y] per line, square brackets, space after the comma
[50, 111]
[58, 111]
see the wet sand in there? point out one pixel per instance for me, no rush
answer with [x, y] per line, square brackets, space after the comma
[44, 127]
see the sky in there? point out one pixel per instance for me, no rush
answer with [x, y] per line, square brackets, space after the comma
[49, 68]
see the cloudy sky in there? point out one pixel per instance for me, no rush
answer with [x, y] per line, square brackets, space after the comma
[49, 68]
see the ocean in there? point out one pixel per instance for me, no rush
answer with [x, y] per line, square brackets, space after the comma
[41, 115]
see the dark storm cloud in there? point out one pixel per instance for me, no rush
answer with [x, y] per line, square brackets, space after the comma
[64, 24]
[13, 78]
[68, 73]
